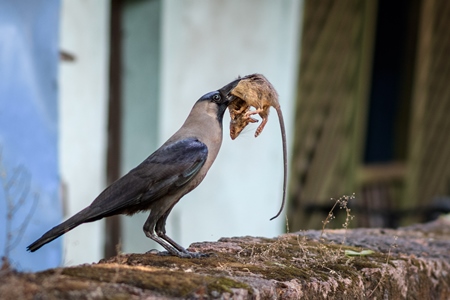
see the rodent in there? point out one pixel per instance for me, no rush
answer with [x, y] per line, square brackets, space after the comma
[256, 91]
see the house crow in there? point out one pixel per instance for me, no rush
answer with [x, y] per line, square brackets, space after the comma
[161, 180]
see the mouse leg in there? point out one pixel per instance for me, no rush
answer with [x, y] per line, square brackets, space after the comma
[250, 120]
[253, 112]
[264, 116]
[261, 127]
[250, 113]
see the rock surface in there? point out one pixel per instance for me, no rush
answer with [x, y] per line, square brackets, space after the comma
[407, 263]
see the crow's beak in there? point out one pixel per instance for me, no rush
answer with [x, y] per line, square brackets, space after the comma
[225, 91]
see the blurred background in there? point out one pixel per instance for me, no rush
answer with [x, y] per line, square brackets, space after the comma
[88, 89]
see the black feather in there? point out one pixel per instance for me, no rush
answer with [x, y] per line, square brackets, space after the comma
[162, 173]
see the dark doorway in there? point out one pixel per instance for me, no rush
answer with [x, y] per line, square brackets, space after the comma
[393, 66]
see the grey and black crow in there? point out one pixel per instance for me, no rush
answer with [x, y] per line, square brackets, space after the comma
[161, 180]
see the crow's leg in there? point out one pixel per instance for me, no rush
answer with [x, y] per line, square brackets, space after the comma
[161, 232]
[157, 233]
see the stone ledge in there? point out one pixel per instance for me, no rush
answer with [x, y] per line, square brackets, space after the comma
[407, 263]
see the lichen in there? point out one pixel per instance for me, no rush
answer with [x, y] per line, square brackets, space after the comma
[306, 265]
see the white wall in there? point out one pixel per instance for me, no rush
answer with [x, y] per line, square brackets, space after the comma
[83, 119]
[205, 45]
[140, 102]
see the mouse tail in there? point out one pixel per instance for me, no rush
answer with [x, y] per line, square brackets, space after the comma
[285, 159]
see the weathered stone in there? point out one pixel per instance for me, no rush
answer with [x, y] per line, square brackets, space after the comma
[407, 263]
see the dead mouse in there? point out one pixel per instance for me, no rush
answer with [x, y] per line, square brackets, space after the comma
[256, 91]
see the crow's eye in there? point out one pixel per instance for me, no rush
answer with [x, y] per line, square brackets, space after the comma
[216, 97]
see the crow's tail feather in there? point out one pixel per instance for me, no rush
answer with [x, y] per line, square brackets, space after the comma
[60, 229]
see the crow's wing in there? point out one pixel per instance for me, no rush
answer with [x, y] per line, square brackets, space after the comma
[164, 172]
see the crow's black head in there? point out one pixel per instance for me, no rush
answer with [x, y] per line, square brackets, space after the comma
[222, 98]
